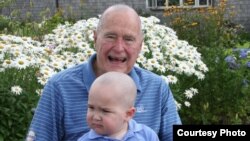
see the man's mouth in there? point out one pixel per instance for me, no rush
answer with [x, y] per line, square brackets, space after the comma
[117, 59]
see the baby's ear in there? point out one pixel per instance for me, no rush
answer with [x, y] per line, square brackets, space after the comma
[130, 113]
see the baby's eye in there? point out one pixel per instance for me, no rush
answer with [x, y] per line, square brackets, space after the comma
[106, 111]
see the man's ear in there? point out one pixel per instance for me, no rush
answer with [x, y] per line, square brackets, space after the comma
[95, 36]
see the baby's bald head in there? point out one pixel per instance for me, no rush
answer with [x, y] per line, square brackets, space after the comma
[121, 83]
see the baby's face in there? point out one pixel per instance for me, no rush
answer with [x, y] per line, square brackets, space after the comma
[106, 115]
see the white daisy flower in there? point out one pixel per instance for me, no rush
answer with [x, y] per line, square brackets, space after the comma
[187, 104]
[17, 90]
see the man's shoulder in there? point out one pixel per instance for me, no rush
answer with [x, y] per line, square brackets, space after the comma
[75, 71]
[146, 74]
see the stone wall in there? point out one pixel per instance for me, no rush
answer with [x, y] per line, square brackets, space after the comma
[71, 8]
[242, 9]
[95, 7]
[78, 9]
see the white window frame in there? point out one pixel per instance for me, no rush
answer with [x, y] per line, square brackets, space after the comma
[196, 5]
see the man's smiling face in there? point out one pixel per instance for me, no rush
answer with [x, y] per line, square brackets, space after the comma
[118, 42]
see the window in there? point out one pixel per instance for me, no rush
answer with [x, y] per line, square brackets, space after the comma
[161, 4]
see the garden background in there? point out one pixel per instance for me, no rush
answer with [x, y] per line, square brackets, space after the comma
[212, 89]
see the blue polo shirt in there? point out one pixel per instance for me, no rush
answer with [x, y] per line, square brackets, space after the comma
[136, 132]
[61, 111]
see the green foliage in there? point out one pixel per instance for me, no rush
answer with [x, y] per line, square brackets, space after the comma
[48, 25]
[32, 29]
[245, 36]
[4, 3]
[205, 27]
[223, 97]
[16, 110]
[15, 114]
[4, 23]
[224, 94]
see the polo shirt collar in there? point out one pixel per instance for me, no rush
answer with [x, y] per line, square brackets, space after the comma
[136, 79]
[88, 72]
[133, 127]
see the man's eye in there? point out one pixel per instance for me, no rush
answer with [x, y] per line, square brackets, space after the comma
[110, 37]
[91, 108]
[129, 39]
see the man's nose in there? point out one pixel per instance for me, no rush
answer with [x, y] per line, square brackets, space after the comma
[119, 45]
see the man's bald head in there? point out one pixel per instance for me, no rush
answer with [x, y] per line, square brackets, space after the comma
[120, 10]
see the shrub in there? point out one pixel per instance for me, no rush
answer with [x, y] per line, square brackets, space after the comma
[32, 29]
[224, 93]
[205, 27]
[15, 110]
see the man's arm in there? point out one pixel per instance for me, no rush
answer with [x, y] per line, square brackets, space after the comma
[169, 117]
[46, 124]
